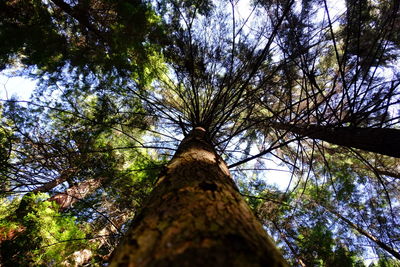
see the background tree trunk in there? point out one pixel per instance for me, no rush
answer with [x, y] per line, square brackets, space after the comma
[365, 233]
[384, 141]
[77, 192]
[64, 176]
[196, 217]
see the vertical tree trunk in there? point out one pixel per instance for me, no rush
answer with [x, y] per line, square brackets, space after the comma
[196, 217]
[384, 141]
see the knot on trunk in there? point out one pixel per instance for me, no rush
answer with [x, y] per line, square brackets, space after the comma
[198, 132]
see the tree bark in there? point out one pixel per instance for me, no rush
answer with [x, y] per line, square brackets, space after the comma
[389, 173]
[53, 183]
[75, 193]
[195, 216]
[384, 141]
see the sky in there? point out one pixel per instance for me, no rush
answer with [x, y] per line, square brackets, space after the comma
[11, 85]
[279, 175]
[22, 87]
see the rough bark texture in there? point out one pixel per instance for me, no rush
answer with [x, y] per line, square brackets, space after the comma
[384, 141]
[196, 217]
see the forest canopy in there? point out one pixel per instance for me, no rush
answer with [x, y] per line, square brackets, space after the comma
[300, 100]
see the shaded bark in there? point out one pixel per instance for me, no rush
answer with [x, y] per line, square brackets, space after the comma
[384, 141]
[75, 193]
[392, 174]
[53, 183]
[196, 217]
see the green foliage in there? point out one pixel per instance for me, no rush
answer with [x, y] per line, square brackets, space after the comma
[37, 234]
[318, 248]
[5, 143]
[119, 39]
[119, 78]
[385, 262]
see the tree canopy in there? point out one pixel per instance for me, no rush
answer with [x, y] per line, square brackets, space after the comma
[308, 87]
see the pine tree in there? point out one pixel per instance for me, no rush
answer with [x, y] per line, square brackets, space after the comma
[139, 104]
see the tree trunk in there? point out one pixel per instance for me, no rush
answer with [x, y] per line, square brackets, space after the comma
[75, 193]
[365, 233]
[292, 249]
[384, 141]
[196, 217]
[81, 257]
[392, 174]
[53, 183]
[65, 200]
[10, 241]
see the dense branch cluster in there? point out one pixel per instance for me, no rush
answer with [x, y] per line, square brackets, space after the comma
[311, 86]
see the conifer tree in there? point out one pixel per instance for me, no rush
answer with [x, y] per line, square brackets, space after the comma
[141, 107]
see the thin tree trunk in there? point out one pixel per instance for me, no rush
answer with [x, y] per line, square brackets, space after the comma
[298, 258]
[292, 249]
[196, 217]
[64, 199]
[81, 257]
[75, 193]
[389, 173]
[384, 141]
[21, 211]
[365, 233]
[53, 183]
